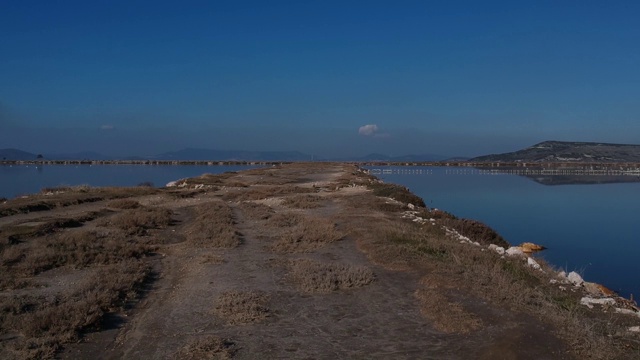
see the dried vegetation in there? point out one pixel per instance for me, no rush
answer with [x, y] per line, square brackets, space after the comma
[312, 276]
[61, 197]
[208, 348]
[214, 226]
[138, 221]
[40, 324]
[301, 233]
[303, 201]
[242, 307]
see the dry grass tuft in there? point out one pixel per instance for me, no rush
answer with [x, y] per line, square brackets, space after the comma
[138, 221]
[448, 317]
[208, 348]
[75, 248]
[285, 220]
[260, 192]
[303, 201]
[306, 235]
[396, 192]
[68, 197]
[242, 307]
[124, 204]
[256, 211]
[214, 226]
[46, 323]
[321, 277]
[505, 282]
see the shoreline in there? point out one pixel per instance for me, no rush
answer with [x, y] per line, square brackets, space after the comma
[327, 240]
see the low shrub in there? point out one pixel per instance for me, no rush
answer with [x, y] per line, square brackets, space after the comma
[242, 307]
[396, 192]
[214, 226]
[303, 201]
[307, 235]
[322, 277]
[48, 322]
[138, 221]
[124, 204]
[208, 348]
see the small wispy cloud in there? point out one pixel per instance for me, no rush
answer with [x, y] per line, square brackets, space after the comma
[107, 127]
[372, 130]
[368, 130]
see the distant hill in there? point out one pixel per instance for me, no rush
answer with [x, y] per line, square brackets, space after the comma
[562, 151]
[239, 155]
[83, 155]
[15, 154]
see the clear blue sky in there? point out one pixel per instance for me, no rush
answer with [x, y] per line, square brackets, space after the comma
[446, 77]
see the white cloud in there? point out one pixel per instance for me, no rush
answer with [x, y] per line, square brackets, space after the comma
[368, 130]
[107, 127]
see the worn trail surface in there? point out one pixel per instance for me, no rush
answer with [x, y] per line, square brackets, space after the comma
[289, 287]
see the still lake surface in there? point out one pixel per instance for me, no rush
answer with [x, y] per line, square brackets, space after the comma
[592, 229]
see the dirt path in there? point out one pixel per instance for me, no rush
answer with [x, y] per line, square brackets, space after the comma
[303, 281]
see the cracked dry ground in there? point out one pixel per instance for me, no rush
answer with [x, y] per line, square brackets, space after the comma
[278, 263]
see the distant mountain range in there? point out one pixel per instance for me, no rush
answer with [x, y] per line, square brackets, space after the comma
[219, 155]
[15, 154]
[548, 151]
[240, 155]
[563, 151]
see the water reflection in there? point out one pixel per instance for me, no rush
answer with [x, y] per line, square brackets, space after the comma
[540, 176]
[589, 229]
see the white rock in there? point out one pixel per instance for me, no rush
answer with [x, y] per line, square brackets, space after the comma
[589, 301]
[496, 248]
[553, 281]
[627, 312]
[171, 184]
[634, 329]
[514, 251]
[533, 264]
[562, 288]
[575, 278]
[562, 274]
[411, 206]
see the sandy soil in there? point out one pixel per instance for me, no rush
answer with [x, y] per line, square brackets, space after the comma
[379, 319]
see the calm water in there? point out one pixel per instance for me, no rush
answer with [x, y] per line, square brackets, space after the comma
[592, 229]
[21, 180]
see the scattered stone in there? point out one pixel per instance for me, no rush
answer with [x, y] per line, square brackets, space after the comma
[589, 301]
[534, 264]
[597, 289]
[411, 206]
[562, 288]
[575, 278]
[635, 329]
[627, 312]
[496, 248]
[514, 251]
[528, 247]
